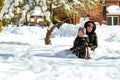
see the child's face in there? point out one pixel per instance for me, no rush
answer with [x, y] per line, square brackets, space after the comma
[80, 33]
[89, 28]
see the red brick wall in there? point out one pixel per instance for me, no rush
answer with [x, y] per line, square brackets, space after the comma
[96, 13]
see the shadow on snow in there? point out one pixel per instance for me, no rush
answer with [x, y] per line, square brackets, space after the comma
[108, 58]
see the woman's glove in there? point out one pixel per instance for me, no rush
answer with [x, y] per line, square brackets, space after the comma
[92, 48]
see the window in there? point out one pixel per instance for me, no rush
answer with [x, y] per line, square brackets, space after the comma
[115, 20]
[109, 20]
[112, 20]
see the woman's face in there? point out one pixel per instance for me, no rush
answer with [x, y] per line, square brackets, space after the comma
[80, 33]
[89, 28]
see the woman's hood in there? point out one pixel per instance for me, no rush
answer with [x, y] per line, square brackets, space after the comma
[94, 26]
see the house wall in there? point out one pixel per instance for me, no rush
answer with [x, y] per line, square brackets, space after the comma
[98, 11]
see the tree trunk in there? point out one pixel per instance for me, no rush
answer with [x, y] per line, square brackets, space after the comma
[49, 32]
[47, 38]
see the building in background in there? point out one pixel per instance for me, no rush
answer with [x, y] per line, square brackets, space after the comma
[112, 14]
[37, 16]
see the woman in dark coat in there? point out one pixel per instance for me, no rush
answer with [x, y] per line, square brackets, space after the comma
[90, 31]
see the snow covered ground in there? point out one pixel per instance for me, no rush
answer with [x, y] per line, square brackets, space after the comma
[23, 55]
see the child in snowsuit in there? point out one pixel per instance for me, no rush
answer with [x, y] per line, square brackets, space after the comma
[90, 31]
[80, 46]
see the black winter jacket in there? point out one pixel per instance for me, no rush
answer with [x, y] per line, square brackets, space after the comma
[93, 40]
[79, 40]
[78, 43]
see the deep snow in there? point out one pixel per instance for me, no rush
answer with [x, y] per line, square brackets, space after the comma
[23, 55]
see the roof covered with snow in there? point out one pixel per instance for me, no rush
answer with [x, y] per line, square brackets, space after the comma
[113, 9]
[37, 11]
